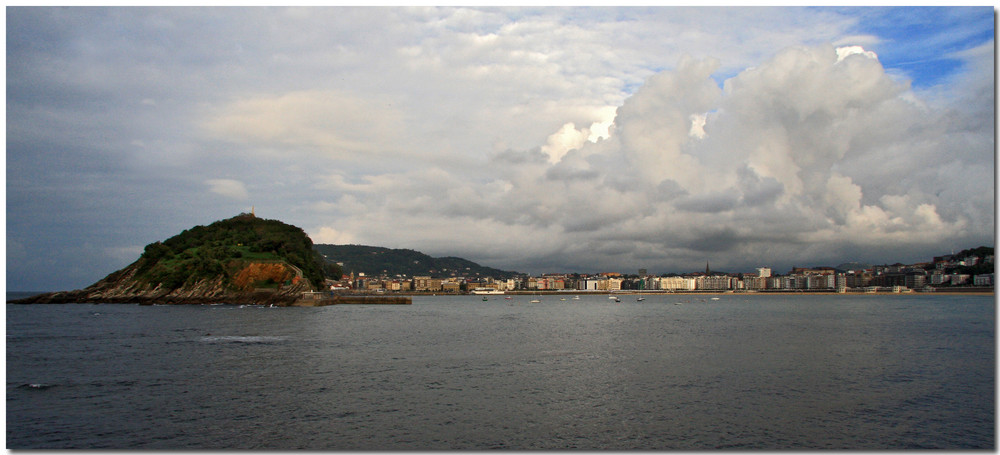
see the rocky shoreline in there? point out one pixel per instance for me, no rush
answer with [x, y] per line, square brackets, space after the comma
[251, 298]
[263, 298]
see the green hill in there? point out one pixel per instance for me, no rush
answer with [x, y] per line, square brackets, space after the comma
[373, 260]
[222, 248]
[243, 259]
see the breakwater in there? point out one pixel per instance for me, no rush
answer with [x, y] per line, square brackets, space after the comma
[324, 300]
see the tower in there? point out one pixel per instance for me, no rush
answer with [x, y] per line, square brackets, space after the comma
[707, 271]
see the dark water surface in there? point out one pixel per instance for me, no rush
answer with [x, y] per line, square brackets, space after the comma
[759, 372]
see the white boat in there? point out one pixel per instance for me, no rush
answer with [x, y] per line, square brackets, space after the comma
[487, 291]
[536, 301]
[576, 297]
[715, 298]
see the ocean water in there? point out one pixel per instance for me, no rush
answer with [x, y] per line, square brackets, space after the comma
[672, 372]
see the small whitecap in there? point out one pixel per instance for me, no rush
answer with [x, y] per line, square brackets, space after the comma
[37, 386]
[253, 339]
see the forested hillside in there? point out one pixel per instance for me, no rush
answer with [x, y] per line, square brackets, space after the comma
[372, 260]
[221, 249]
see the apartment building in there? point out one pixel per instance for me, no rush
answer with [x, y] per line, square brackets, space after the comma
[426, 283]
[600, 284]
[713, 283]
[677, 283]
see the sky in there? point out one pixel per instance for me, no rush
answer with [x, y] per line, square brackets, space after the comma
[536, 139]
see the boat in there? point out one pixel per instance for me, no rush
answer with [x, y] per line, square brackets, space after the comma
[640, 298]
[576, 297]
[485, 298]
[487, 291]
[507, 298]
[715, 298]
[536, 301]
[617, 299]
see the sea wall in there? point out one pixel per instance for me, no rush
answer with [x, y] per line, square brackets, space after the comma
[311, 300]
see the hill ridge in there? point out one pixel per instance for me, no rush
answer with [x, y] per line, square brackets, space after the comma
[377, 260]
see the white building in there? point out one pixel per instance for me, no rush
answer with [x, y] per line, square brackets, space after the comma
[677, 283]
[601, 284]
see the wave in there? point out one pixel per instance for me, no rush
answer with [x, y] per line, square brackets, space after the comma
[254, 339]
[36, 386]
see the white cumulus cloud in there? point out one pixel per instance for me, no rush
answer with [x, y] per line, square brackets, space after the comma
[796, 159]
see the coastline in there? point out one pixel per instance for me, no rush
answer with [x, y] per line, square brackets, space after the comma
[405, 298]
[308, 299]
[802, 292]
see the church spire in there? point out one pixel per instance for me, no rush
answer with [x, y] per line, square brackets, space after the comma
[707, 271]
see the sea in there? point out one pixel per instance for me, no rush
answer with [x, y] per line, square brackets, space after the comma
[672, 372]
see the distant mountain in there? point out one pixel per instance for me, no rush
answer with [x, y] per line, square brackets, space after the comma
[853, 266]
[373, 260]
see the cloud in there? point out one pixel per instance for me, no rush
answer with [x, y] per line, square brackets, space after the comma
[524, 138]
[331, 123]
[847, 51]
[229, 188]
[566, 139]
[124, 254]
[326, 234]
[786, 163]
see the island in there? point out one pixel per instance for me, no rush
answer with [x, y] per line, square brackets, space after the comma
[241, 260]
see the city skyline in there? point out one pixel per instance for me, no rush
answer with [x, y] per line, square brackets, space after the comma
[533, 139]
[944, 272]
[653, 271]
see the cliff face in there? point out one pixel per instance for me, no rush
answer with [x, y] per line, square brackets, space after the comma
[265, 278]
[241, 260]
